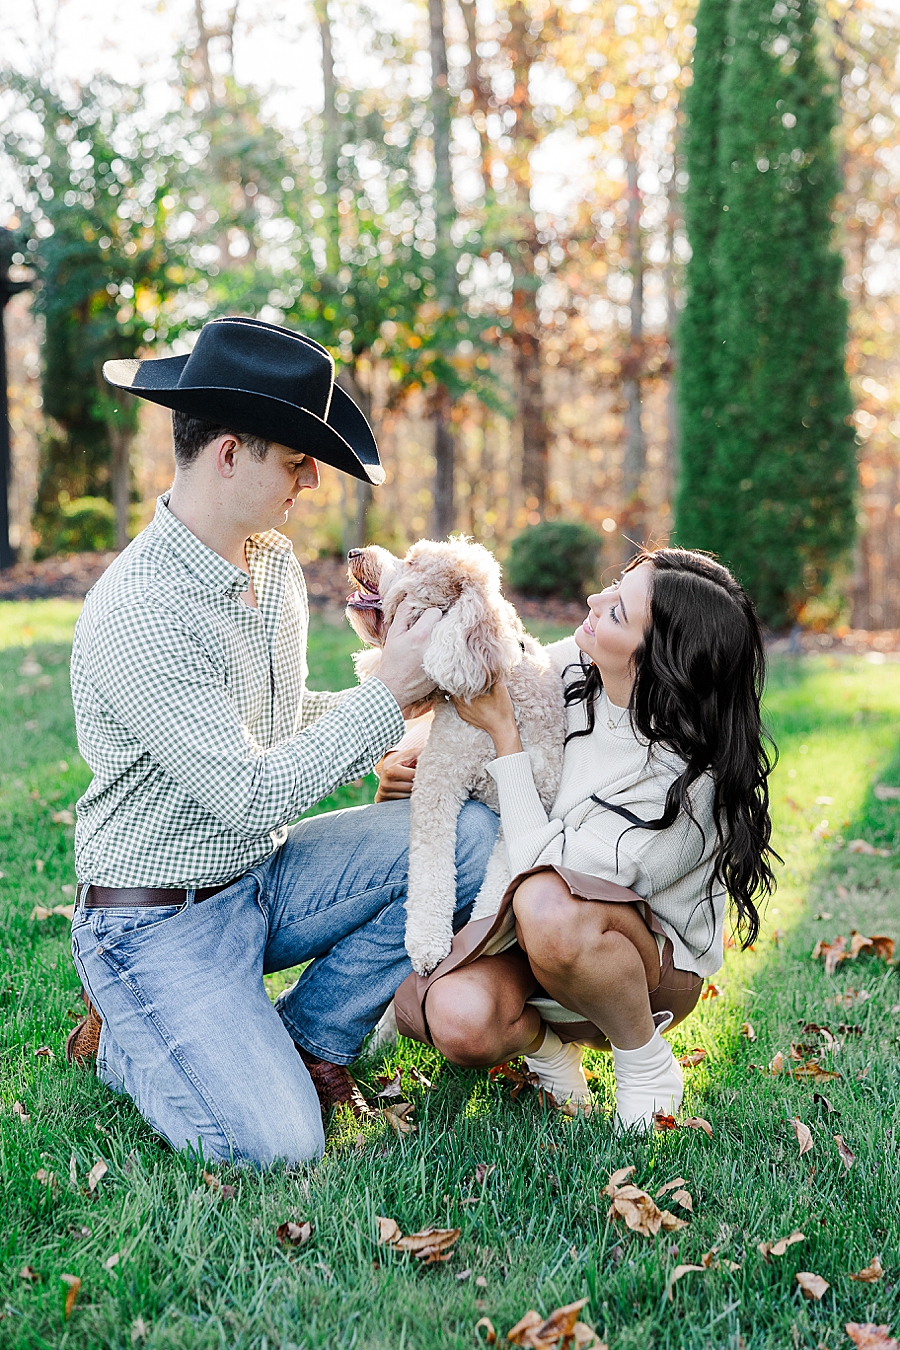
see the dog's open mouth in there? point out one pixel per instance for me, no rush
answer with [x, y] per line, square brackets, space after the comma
[364, 597]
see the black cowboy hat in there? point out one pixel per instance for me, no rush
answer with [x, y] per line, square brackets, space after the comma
[263, 380]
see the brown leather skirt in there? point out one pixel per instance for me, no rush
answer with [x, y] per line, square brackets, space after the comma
[677, 991]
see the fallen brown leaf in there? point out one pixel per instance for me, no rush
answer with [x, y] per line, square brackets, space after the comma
[482, 1172]
[391, 1087]
[778, 936]
[872, 1272]
[858, 943]
[776, 1063]
[418, 1077]
[139, 1330]
[823, 1101]
[663, 1122]
[481, 1281]
[669, 1186]
[617, 1179]
[46, 1178]
[863, 1073]
[862, 846]
[813, 1070]
[780, 1246]
[388, 1229]
[561, 1328]
[851, 997]
[813, 1286]
[42, 912]
[397, 1116]
[112, 1261]
[847, 1158]
[43, 1052]
[804, 1135]
[429, 1245]
[883, 946]
[29, 1273]
[832, 953]
[697, 1123]
[99, 1171]
[212, 1182]
[747, 1030]
[676, 1275]
[490, 1335]
[293, 1234]
[711, 991]
[641, 1213]
[683, 1198]
[695, 1057]
[868, 1336]
[19, 1110]
[74, 1284]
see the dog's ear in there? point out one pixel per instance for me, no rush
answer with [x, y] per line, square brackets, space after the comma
[473, 646]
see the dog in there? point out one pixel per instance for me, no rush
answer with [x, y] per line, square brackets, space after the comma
[479, 641]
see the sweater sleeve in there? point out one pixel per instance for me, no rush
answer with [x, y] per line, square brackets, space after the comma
[528, 832]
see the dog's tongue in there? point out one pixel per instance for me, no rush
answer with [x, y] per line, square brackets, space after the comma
[364, 600]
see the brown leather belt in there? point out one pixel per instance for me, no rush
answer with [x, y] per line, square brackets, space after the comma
[143, 897]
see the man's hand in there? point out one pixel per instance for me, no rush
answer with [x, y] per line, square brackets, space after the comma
[397, 770]
[401, 663]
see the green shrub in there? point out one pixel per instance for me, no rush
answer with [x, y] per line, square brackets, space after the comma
[556, 557]
[85, 525]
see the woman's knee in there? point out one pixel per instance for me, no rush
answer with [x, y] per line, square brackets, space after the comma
[547, 920]
[464, 1023]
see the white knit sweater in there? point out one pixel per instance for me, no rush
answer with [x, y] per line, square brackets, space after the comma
[668, 868]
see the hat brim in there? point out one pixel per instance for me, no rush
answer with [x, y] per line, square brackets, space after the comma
[344, 439]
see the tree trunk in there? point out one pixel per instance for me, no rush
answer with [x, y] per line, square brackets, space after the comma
[444, 513]
[634, 459]
[331, 141]
[524, 50]
[355, 531]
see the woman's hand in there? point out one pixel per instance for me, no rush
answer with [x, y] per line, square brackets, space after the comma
[397, 769]
[493, 712]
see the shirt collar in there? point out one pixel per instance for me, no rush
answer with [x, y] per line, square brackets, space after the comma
[210, 567]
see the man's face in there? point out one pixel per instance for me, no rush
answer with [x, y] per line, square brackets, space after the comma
[268, 488]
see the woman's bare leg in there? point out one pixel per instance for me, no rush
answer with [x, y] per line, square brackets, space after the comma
[598, 959]
[478, 1016]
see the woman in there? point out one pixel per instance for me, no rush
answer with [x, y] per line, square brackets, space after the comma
[664, 795]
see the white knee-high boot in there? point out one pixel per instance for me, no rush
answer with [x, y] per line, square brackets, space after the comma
[648, 1079]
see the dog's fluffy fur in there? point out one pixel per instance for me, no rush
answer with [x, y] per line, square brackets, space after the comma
[479, 641]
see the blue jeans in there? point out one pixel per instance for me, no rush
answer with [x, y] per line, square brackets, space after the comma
[188, 1030]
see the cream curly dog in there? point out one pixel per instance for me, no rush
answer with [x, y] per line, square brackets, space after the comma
[479, 641]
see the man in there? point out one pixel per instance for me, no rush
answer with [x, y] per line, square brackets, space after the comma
[188, 680]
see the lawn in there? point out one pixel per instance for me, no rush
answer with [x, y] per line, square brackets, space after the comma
[166, 1259]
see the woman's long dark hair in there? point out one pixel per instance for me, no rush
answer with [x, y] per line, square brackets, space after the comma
[699, 675]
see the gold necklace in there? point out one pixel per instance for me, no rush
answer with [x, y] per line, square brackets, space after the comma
[613, 723]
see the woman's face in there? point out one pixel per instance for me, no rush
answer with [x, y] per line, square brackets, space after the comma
[615, 625]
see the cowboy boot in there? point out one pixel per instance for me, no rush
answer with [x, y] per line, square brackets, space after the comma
[83, 1040]
[335, 1086]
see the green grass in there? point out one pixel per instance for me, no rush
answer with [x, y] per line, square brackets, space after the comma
[199, 1269]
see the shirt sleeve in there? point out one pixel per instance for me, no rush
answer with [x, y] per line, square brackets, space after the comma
[318, 702]
[157, 680]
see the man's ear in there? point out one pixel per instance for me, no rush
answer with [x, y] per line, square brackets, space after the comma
[470, 651]
[225, 447]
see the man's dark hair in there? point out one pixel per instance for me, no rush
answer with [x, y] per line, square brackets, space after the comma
[192, 434]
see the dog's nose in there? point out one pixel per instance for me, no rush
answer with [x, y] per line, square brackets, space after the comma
[354, 553]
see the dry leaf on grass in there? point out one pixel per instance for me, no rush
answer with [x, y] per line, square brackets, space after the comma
[617, 1179]
[663, 1122]
[216, 1186]
[562, 1328]
[98, 1172]
[139, 1330]
[428, 1246]
[390, 1087]
[776, 1064]
[46, 1178]
[872, 1272]
[43, 1052]
[482, 1172]
[397, 1116]
[823, 1101]
[29, 1273]
[112, 1261]
[676, 1275]
[694, 1057]
[711, 991]
[490, 1335]
[74, 1284]
[683, 1198]
[847, 1158]
[813, 1071]
[804, 1135]
[669, 1186]
[813, 1286]
[780, 1246]
[642, 1214]
[697, 1123]
[882, 946]
[747, 1030]
[418, 1077]
[858, 943]
[19, 1110]
[293, 1234]
[851, 997]
[832, 953]
[41, 912]
[868, 1336]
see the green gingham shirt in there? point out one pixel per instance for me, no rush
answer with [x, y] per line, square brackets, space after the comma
[193, 714]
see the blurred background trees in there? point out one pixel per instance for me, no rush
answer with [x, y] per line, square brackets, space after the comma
[484, 219]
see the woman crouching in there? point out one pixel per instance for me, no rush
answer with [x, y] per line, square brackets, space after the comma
[620, 895]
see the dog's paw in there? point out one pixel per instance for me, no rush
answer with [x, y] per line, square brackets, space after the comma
[427, 950]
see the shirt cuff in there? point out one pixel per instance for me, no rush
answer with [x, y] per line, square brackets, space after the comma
[521, 809]
[381, 713]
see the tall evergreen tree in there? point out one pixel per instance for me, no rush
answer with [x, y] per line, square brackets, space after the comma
[767, 478]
